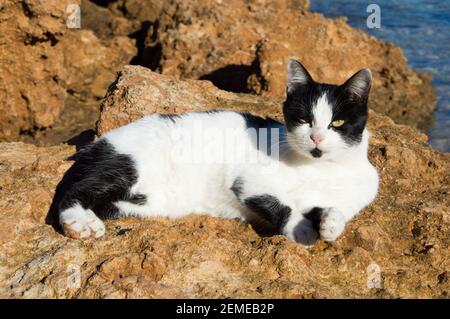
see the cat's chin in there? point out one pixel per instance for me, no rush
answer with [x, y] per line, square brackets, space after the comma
[316, 153]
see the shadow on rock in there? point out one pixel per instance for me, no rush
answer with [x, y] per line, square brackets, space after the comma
[232, 78]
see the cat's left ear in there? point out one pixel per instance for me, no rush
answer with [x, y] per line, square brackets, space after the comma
[358, 86]
[297, 76]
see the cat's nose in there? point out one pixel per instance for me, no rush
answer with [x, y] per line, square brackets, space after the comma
[316, 138]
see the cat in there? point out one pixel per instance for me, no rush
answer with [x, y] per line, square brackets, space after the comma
[306, 178]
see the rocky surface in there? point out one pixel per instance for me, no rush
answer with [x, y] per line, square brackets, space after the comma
[106, 23]
[42, 62]
[91, 63]
[405, 231]
[31, 65]
[135, 9]
[243, 46]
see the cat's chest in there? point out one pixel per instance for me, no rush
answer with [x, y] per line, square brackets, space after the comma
[323, 179]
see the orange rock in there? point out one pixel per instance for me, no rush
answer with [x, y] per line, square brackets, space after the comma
[41, 59]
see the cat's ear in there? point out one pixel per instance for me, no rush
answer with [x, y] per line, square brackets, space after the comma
[297, 75]
[358, 86]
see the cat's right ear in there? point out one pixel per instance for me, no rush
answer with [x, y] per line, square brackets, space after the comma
[358, 86]
[297, 76]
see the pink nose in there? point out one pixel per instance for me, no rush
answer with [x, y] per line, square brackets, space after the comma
[316, 138]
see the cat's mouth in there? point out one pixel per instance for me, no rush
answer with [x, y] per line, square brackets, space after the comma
[316, 152]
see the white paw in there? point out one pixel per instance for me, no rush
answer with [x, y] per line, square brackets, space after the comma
[95, 225]
[75, 229]
[79, 223]
[332, 224]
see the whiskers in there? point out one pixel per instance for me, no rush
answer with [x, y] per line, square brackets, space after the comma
[282, 145]
[297, 143]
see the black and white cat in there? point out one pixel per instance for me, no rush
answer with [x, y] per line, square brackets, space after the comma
[307, 178]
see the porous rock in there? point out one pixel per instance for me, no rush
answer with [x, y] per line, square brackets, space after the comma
[43, 60]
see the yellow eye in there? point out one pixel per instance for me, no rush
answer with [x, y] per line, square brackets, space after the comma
[337, 123]
[302, 121]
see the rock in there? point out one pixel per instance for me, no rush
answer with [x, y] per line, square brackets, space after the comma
[404, 233]
[243, 46]
[372, 237]
[139, 10]
[92, 63]
[94, 54]
[32, 65]
[42, 59]
[144, 16]
[135, 18]
[105, 23]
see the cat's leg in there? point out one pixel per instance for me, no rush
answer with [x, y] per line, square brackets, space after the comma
[294, 225]
[76, 210]
[269, 208]
[270, 205]
[100, 177]
[302, 228]
[328, 223]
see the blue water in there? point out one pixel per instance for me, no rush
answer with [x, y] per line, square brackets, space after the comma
[422, 29]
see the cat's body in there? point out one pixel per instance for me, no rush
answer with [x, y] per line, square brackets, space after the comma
[216, 163]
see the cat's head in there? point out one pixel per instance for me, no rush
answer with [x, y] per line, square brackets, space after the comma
[325, 121]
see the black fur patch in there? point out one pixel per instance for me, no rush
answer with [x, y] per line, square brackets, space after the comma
[99, 177]
[212, 111]
[171, 117]
[257, 123]
[137, 199]
[175, 117]
[315, 215]
[236, 188]
[316, 152]
[269, 208]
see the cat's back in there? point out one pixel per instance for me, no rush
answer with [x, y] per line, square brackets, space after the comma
[159, 125]
[198, 134]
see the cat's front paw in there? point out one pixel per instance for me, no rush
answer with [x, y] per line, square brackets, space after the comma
[332, 224]
[303, 233]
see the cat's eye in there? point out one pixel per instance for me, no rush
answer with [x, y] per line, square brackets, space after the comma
[337, 123]
[302, 121]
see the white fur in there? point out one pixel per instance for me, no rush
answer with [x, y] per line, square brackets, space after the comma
[332, 224]
[81, 223]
